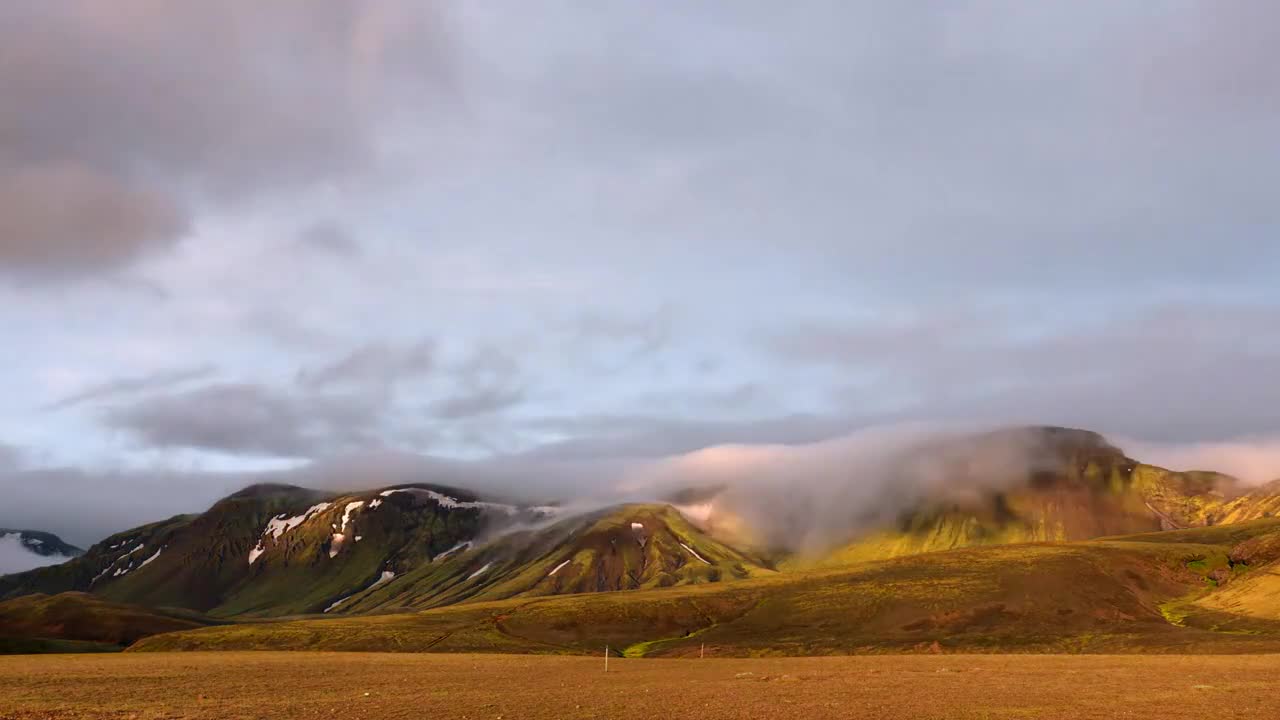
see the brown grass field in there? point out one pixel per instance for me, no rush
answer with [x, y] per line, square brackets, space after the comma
[374, 685]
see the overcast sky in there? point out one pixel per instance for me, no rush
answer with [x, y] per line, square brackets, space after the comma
[540, 240]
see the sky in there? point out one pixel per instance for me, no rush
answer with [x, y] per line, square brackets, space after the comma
[530, 244]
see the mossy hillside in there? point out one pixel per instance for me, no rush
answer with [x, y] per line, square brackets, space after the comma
[1106, 596]
[1253, 590]
[79, 573]
[599, 552]
[202, 562]
[1080, 488]
[309, 569]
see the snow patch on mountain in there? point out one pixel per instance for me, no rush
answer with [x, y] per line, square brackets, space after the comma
[559, 567]
[446, 501]
[281, 524]
[386, 577]
[479, 572]
[346, 514]
[148, 560]
[460, 546]
[694, 553]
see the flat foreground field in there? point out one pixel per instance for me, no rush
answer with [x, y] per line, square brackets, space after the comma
[384, 685]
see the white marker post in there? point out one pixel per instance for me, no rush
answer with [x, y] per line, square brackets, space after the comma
[606, 658]
[702, 651]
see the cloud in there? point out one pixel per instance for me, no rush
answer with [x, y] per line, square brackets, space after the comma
[82, 507]
[112, 389]
[1173, 372]
[331, 238]
[1254, 460]
[800, 496]
[863, 214]
[477, 402]
[645, 334]
[123, 123]
[14, 557]
[248, 419]
[375, 363]
[67, 220]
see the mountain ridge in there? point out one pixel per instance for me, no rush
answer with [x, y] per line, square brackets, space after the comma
[276, 550]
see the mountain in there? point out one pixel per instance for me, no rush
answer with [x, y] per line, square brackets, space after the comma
[1074, 486]
[275, 550]
[629, 547]
[1003, 516]
[26, 549]
[1150, 593]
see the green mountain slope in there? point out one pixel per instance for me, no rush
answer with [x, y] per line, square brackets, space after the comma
[277, 550]
[1078, 486]
[272, 550]
[1114, 595]
[630, 547]
[1191, 546]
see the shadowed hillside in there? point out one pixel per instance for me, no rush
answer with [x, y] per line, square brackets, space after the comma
[77, 622]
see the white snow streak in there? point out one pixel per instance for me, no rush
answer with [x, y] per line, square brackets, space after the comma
[694, 553]
[479, 572]
[148, 560]
[452, 550]
[338, 602]
[281, 524]
[387, 576]
[446, 501]
[558, 567]
[346, 515]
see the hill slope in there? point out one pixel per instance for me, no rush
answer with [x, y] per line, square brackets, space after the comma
[1078, 486]
[44, 622]
[629, 547]
[271, 549]
[1114, 595]
[277, 550]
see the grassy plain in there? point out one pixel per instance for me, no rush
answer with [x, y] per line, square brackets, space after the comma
[289, 686]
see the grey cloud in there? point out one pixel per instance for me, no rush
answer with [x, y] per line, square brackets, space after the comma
[487, 381]
[68, 220]
[1175, 373]
[906, 151]
[795, 495]
[125, 119]
[83, 506]
[599, 436]
[378, 364]
[330, 237]
[288, 331]
[129, 385]
[477, 402]
[646, 333]
[248, 419]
